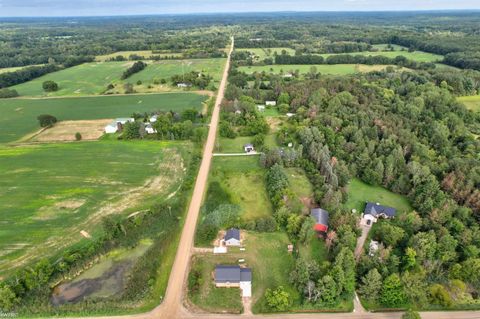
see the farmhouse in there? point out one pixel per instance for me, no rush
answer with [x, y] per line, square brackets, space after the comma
[248, 148]
[270, 103]
[234, 276]
[374, 211]
[321, 220]
[150, 129]
[117, 125]
[232, 237]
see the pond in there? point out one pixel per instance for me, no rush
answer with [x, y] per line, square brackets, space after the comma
[104, 280]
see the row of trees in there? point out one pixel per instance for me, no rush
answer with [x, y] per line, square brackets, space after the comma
[135, 68]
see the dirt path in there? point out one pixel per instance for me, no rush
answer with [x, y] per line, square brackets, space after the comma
[361, 241]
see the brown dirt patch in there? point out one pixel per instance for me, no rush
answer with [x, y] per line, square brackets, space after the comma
[274, 123]
[65, 131]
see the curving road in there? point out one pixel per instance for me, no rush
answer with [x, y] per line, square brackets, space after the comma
[172, 305]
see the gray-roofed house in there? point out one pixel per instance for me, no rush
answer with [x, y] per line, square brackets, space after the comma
[234, 276]
[248, 148]
[232, 237]
[321, 217]
[374, 211]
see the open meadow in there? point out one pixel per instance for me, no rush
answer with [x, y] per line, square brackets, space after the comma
[55, 195]
[471, 102]
[94, 78]
[418, 56]
[19, 116]
[146, 54]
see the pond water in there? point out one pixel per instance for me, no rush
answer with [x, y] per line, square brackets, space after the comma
[104, 280]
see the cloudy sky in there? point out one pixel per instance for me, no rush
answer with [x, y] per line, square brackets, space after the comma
[123, 7]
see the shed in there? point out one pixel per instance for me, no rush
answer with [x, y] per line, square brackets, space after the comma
[248, 148]
[321, 217]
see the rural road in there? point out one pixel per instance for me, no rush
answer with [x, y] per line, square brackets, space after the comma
[172, 305]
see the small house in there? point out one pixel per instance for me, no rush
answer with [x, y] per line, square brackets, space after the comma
[270, 103]
[117, 125]
[374, 211]
[234, 276]
[249, 148]
[321, 217]
[261, 108]
[150, 129]
[153, 118]
[232, 237]
[183, 85]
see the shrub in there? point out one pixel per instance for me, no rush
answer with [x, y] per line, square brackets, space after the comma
[50, 86]
[278, 299]
[78, 136]
[266, 224]
[439, 295]
[8, 93]
[207, 232]
[46, 120]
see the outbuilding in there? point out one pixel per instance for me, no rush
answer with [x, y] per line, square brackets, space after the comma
[248, 148]
[321, 217]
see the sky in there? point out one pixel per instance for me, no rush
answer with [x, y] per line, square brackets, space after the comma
[17, 8]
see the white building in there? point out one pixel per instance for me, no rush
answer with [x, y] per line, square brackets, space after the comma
[261, 108]
[150, 129]
[270, 103]
[117, 124]
[153, 118]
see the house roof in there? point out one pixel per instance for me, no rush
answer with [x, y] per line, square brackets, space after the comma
[320, 215]
[226, 273]
[232, 233]
[378, 210]
[124, 119]
[248, 145]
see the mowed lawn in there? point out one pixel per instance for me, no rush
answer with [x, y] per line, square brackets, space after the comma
[262, 53]
[266, 254]
[84, 79]
[471, 102]
[49, 193]
[359, 193]
[244, 179]
[19, 116]
[418, 56]
[332, 69]
[126, 54]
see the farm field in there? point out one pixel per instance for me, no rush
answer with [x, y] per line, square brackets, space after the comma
[471, 102]
[66, 130]
[126, 54]
[244, 179]
[266, 254]
[333, 69]
[16, 68]
[20, 115]
[84, 79]
[94, 78]
[53, 192]
[360, 192]
[418, 56]
[262, 53]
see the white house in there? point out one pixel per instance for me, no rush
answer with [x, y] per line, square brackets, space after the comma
[117, 124]
[150, 129]
[248, 148]
[183, 85]
[153, 118]
[261, 108]
[270, 103]
[232, 237]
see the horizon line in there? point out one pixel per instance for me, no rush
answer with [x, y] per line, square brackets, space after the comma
[473, 10]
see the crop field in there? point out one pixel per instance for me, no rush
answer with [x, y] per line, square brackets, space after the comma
[333, 69]
[145, 54]
[359, 193]
[262, 53]
[84, 79]
[244, 179]
[19, 116]
[66, 130]
[418, 56]
[471, 102]
[56, 194]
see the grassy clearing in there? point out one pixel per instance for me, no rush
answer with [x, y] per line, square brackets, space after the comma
[314, 250]
[471, 102]
[19, 116]
[360, 192]
[16, 68]
[232, 145]
[263, 53]
[299, 182]
[245, 181]
[51, 192]
[334, 69]
[126, 54]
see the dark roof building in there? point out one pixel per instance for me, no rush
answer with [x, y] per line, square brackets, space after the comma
[321, 217]
[378, 210]
[232, 233]
[232, 274]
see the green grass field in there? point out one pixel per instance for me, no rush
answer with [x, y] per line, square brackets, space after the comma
[418, 56]
[93, 78]
[471, 102]
[19, 116]
[360, 192]
[244, 179]
[299, 182]
[262, 53]
[335, 69]
[51, 192]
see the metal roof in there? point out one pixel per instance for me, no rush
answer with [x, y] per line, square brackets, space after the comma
[321, 216]
[378, 210]
[232, 233]
[233, 274]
